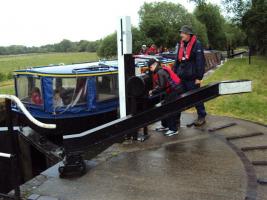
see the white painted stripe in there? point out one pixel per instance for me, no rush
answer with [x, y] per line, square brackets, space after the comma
[5, 155]
[235, 87]
[16, 128]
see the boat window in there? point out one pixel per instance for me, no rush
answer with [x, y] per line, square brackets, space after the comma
[69, 91]
[29, 90]
[107, 87]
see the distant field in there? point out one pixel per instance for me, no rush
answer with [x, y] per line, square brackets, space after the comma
[250, 106]
[10, 63]
[13, 62]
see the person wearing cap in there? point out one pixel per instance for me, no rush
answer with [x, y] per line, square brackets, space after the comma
[143, 50]
[167, 82]
[190, 66]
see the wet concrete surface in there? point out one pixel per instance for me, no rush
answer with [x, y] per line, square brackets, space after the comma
[196, 164]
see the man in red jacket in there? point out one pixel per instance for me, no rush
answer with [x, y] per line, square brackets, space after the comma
[167, 82]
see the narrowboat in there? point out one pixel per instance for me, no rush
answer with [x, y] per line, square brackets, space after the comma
[75, 97]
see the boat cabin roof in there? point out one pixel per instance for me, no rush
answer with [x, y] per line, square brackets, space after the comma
[79, 69]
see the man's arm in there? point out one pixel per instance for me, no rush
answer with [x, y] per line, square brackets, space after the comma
[200, 61]
[162, 82]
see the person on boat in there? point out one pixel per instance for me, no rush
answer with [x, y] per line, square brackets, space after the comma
[36, 97]
[143, 50]
[190, 66]
[152, 50]
[165, 81]
[57, 100]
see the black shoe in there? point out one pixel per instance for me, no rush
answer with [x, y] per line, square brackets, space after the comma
[200, 121]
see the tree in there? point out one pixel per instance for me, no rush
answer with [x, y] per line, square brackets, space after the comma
[66, 46]
[108, 46]
[93, 46]
[82, 45]
[161, 22]
[234, 35]
[251, 16]
[236, 9]
[210, 15]
[254, 22]
[139, 38]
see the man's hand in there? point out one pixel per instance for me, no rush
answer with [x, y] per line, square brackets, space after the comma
[150, 93]
[198, 82]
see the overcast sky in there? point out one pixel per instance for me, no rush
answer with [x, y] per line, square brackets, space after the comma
[39, 22]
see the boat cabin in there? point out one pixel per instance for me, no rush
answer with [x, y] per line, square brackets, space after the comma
[68, 90]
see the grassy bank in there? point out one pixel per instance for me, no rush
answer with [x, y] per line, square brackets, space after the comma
[10, 63]
[251, 106]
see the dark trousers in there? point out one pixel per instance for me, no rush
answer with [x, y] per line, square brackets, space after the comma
[190, 85]
[172, 121]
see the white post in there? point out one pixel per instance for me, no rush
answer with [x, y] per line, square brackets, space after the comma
[124, 42]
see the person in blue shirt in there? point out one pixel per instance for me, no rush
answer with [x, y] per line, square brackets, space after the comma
[190, 66]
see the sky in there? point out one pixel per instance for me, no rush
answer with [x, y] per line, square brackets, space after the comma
[40, 22]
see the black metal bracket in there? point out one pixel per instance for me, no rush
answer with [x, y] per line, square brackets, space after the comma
[74, 165]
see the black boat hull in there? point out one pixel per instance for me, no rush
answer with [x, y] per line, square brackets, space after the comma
[69, 125]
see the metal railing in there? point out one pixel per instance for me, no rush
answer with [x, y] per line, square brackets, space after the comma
[26, 112]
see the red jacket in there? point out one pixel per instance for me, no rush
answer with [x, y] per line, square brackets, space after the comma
[164, 79]
[152, 51]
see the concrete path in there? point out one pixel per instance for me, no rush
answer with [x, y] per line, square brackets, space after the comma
[198, 164]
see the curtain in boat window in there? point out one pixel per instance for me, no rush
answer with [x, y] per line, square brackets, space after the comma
[91, 93]
[47, 85]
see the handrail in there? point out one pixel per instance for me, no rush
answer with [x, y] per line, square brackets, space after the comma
[26, 112]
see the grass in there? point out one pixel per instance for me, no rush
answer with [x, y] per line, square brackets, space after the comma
[13, 62]
[250, 106]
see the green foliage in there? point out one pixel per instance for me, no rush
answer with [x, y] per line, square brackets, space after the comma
[210, 15]
[236, 9]
[251, 16]
[254, 22]
[139, 38]
[108, 46]
[235, 37]
[161, 22]
[251, 106]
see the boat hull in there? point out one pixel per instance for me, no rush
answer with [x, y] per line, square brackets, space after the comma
[72, 125]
